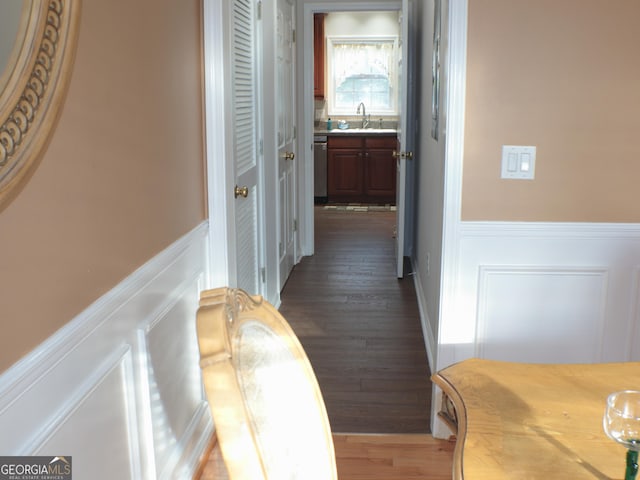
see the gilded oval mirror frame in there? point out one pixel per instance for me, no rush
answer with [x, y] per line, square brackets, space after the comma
[36, 84]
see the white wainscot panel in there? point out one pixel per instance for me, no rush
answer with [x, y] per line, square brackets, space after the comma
[96, 431]
[175, 385]
[541, 314]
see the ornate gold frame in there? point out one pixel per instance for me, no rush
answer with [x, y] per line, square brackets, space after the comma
[31, 101]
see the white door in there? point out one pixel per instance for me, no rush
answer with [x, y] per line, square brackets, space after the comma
[406, 137]
[285, 107]
[244, 131]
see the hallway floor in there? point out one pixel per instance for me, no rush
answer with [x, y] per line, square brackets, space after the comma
[360, 325]
[371, 457]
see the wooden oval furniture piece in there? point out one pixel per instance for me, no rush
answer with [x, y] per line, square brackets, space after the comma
[267, 408]
[533, 421]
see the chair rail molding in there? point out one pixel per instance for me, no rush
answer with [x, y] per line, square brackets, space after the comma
[119, 387]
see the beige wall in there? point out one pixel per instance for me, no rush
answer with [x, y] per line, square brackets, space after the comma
[561, 75]
[123, 176]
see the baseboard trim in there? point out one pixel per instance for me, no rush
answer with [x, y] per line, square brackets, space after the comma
[429, 338]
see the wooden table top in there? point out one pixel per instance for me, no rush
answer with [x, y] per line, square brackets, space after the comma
[534, 421]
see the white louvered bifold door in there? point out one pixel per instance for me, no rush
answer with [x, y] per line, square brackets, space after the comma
[245, 126]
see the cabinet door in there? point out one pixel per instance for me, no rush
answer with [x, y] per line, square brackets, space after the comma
[318, 55]
[380, 175]
[344, 180]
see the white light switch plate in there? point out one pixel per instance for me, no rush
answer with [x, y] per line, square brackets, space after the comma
[518, 162]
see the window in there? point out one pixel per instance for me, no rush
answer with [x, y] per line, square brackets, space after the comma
[362, 69]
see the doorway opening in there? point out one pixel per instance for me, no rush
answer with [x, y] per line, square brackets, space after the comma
[328, 123]
[355, 92]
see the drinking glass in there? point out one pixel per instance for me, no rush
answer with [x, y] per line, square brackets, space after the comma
[621, 423]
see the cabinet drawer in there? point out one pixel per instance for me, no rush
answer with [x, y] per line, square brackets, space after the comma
[346, 141]
[381, 142]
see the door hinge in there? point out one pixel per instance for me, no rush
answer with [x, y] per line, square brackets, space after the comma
[261, 147]
[259, 12]
[293, 36]
[263, 272]
[295, 133]
[295, 225]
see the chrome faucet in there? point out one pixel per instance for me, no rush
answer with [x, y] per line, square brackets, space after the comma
[365, 120]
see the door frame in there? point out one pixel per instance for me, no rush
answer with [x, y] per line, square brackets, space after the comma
[219, 174]
[221, 251]
[221, 171]
[305, 102]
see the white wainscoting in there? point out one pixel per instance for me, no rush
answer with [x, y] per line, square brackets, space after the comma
[541, 314]
[543, 292]
[540, 292]
[118, 388]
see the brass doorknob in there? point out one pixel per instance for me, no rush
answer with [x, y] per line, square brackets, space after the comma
[289, 155]
[241, 191]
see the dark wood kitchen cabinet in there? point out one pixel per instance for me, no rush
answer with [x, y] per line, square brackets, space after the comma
[361, 169]
[318, 55]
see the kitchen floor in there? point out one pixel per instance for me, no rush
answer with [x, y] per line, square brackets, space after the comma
[360, 325]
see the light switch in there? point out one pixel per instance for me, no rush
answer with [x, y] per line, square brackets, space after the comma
[518, 162]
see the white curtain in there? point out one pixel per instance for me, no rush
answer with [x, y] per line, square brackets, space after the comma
[375, 58]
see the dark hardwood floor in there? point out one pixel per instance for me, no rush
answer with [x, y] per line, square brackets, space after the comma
[360, 325]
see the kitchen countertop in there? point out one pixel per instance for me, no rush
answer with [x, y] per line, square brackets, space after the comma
[357, 131]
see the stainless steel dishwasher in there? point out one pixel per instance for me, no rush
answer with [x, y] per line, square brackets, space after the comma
[320, 168]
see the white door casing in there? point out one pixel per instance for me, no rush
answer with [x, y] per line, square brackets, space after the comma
[220, 174]
[285, 115]
[306, 105]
